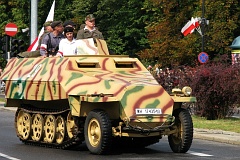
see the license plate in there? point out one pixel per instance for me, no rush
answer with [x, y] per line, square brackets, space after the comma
[148, 111]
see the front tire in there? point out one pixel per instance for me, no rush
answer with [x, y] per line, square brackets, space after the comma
[98, 132]
[181, 141]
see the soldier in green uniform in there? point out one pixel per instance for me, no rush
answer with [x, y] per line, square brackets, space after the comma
[89, 31]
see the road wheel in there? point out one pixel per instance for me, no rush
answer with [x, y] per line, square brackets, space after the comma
[50, 129]
[98, 132]
[181, 141]
[23, 124]
[37, 127]
[70, 125]
[60, 129]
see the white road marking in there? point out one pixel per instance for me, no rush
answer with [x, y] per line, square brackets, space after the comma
[140, 158]
[199, 154]
[8, 157]
[189, 152]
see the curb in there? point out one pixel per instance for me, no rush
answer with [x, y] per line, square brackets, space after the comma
[7, 108]
[217, 136]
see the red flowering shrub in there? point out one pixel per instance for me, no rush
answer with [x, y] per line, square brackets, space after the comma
[216, 85]
[217, 88]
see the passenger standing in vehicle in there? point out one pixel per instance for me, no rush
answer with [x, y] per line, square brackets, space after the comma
[50, 42]
[67, 46]
[47, 29]
[70, 23]
[89, 31]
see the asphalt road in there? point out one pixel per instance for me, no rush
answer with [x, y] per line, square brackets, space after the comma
[11, 148]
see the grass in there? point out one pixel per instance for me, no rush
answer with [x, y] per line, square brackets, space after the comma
[228, 124]
[2, 99]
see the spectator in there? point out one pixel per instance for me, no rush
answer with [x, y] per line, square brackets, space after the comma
[89, 31]
[156, 68]
[150, 69]
[67, 46]
[50, 42]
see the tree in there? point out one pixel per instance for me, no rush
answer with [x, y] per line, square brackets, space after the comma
[224, 25]
[5, 15]
[13, 11]
[63, 10]
[122, 23]
[164, 33]
[150, 28]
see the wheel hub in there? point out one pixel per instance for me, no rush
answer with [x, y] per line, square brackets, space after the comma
[94, 132]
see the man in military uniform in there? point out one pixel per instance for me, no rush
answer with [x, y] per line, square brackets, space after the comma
[89, 31]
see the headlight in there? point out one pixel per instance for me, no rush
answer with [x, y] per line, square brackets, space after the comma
[176, 90]
[187, 91]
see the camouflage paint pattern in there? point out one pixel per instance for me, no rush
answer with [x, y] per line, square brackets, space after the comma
[115, 78]
[45, 79]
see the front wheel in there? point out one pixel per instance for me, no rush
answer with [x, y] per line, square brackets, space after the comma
[181, 141]
[98, 132]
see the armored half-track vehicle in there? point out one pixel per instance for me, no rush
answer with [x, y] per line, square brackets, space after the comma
[96, 98]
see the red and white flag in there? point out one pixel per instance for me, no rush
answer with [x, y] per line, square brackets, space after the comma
[190, 26]
[197, 25]
[50, 17]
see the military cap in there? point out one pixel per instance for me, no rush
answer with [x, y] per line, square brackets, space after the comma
[90, 17]
[48, 23]
[68, 29]
[55, 23]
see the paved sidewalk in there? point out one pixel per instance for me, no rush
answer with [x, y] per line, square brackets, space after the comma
[206, 134]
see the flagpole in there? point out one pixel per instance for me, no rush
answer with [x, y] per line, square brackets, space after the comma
[50, 17]
[203, 23]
